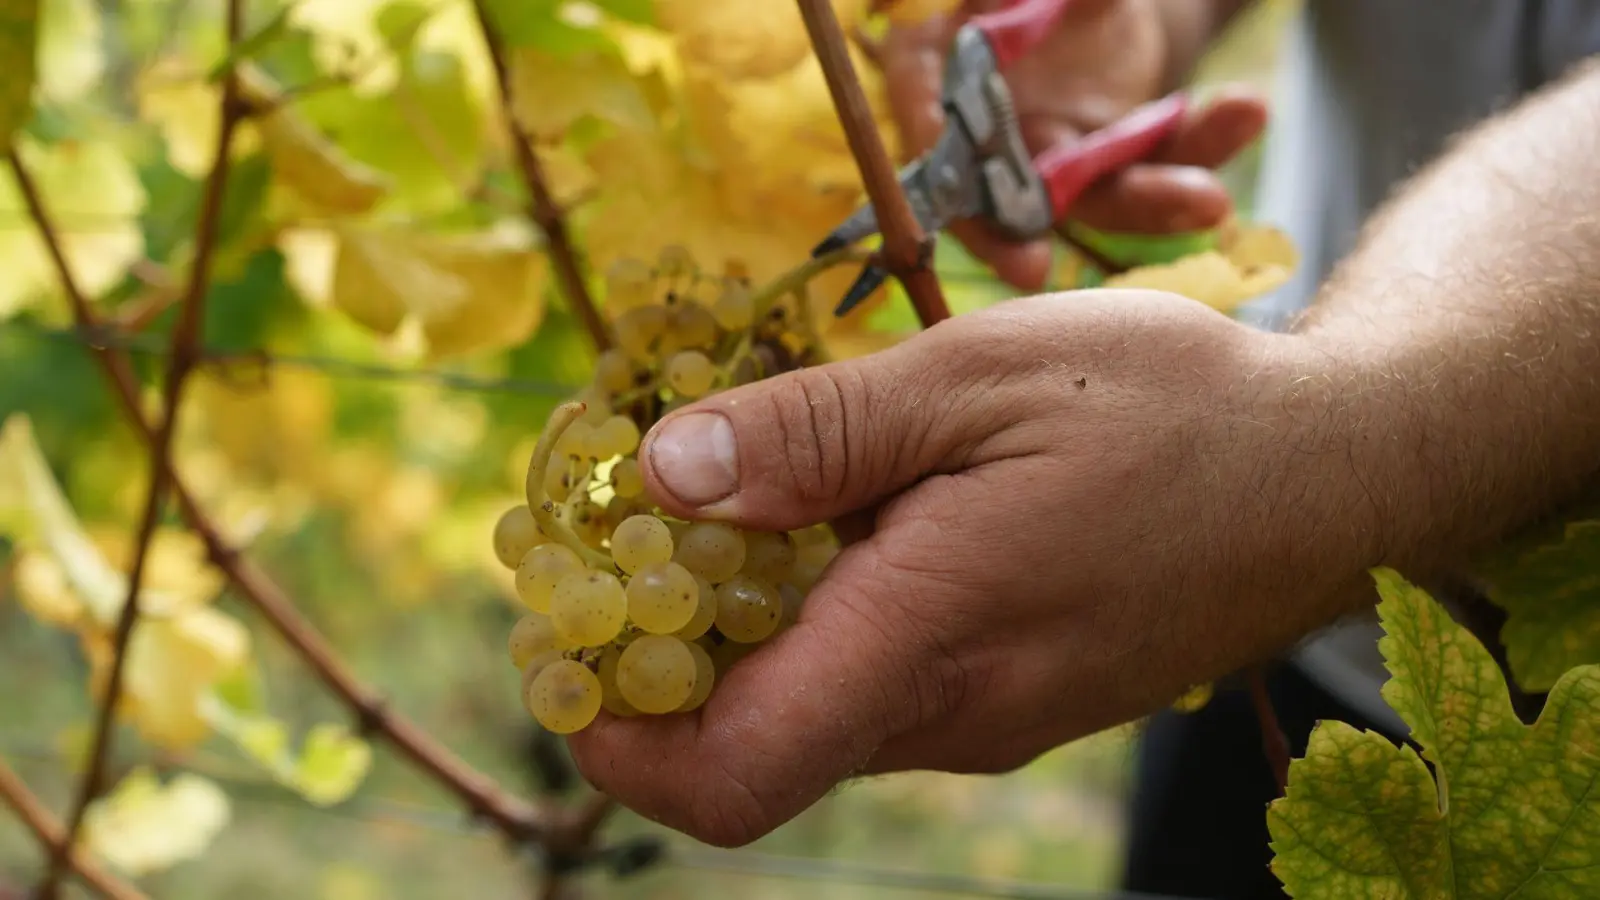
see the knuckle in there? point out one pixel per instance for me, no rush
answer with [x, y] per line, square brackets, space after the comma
[812, 411]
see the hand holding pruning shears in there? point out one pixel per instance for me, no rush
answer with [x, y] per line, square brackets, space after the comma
[1087, 83]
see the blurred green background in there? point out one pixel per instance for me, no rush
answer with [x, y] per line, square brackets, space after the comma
[378, 489]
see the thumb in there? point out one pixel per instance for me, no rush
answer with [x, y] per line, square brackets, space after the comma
[810, 445]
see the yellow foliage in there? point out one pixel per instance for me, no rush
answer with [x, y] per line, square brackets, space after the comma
[1248, 262]
[742, 42]
[92, 192]
[145, 826]
[19, 21]
[471, 292]
[303, 159]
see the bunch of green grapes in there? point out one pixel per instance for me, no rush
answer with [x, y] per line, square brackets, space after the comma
[630, 610]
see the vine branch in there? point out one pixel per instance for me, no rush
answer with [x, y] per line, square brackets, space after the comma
[542, 209]
[1273, 741]
[477, 792]
[48, 833]
[180, 362]
[906, 250]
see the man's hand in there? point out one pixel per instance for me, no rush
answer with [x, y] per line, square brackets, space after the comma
[1106, 57]
[1085, 503]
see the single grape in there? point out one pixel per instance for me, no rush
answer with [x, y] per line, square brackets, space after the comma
[616, 436]
[534, 667]
[611, 699]
[639, 541]
[628, 283]
[539, 571]
[656, 673]
[626, 480]
[619, 509]
[662, 597]
[690, 373]
[565, 697]
[748, 609]
[589, 522]
[597, 405]
[613, 372]
[588, 608]
[734, 309]
[638, 331]
[692, 325]
[558, 480]
[532, 635]
[793, 598]
[674, 260]
[712, 549]
[705, 611]
[574, 442]
[768, 555]
[517, 532]
[705, 676]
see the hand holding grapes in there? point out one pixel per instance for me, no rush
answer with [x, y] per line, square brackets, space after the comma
[1084, 504]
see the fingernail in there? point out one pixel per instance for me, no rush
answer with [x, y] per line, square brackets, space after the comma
[696, 458]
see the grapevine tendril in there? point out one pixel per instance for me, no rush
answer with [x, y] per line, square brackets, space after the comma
[541, 505]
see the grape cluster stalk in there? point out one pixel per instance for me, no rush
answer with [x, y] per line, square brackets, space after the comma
[630, 610]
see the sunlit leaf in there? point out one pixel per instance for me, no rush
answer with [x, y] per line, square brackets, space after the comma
[742, 40]
[1551, 593]
[145, 826]
[172, 663]
[1209, 277]
[19, 21]
[911, 12]
[71, 55]
[331, 762]
[304, 160]
[425, 133]
[469, 292]
[550, 93]
[32, 496]
[94, 197]
[187, 111]
[1507, 810]
[347, 41]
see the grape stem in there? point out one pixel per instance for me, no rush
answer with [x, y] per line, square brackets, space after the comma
[801, 275]
[542, 507]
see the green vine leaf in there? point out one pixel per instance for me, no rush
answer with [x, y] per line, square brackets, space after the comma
[1550, 591]
[19, 25]
[1508, 810]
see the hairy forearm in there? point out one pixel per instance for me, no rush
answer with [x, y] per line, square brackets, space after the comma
[1463, 336]
[1191, 25]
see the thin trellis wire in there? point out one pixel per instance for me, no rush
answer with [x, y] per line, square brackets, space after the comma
[252, 365]
[253, 788]
[238, 362]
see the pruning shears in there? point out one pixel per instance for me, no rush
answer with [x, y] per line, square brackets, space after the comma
[980, 167]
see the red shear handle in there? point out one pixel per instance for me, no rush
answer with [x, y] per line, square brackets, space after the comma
[1069, 169]
[1015, 30]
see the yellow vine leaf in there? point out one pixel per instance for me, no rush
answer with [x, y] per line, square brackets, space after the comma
[346, 39]
[912, 12]
[1551, 594]
[741, 40]
[549, 94]
[186, 109]
[144, 826]
[94, 196]
[71, 60]
[303, 159]
[19, 25]
[1507, 809]
[469, 292]
[1247, 263]
[329, 767]
[36, 513]
[173, 665]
